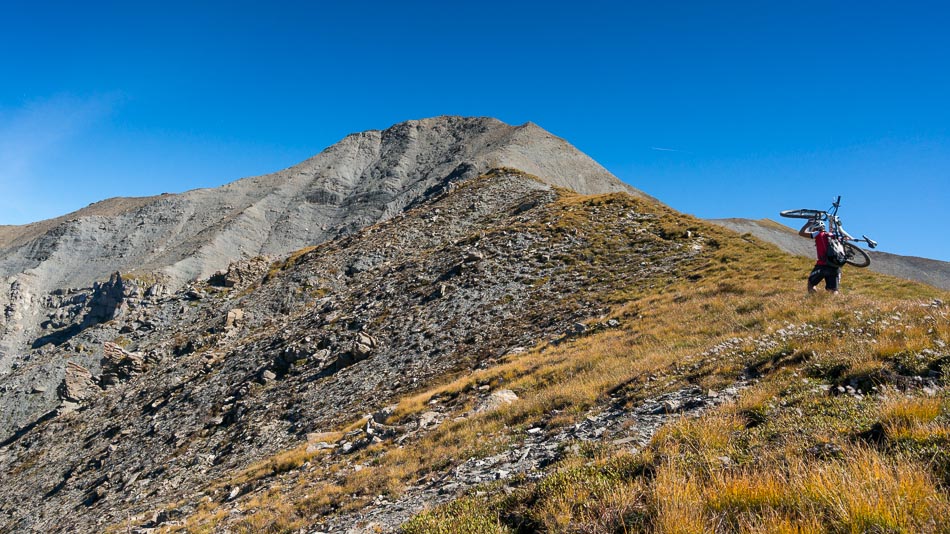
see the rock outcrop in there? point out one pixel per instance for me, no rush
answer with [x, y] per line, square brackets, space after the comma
[119, 365]
[79, 384]
[106, 301]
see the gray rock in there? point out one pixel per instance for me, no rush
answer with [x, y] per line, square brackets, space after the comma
[497, 399]
[78, 385]
[361, 351]
[267, 375]
[671, 405]
[193, 294]
[428, 420]
[156, 290]
[234, 318]
[380, 416]
[474, 256]
[67, 407]
[367, 340]
[119, 365]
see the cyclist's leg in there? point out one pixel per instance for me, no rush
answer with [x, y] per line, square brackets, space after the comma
[832, 277]
[814, 278]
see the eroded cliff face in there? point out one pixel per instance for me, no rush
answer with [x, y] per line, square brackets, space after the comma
[143, 394]
[364, 179]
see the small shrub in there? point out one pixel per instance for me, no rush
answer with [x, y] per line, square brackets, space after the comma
[463, 516]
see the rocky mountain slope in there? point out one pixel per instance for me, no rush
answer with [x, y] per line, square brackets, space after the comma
[500, 354]
[177, 391]
[365, 178]
[933, 272]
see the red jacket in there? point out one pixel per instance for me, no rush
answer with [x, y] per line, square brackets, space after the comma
[821, 246]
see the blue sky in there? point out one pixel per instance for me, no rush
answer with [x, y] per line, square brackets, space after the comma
[719, 109]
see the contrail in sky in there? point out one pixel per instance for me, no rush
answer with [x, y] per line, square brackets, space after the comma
[661, 149]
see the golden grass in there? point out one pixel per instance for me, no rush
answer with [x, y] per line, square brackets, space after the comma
[270, 513]
[702, 439]
[676, 499]
[279, 463]
[753, 406]
[592, 491]
[865, 491]
[862, 494]
[915, 419]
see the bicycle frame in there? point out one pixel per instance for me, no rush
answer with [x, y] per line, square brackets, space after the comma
[835, 227]
[855, 255]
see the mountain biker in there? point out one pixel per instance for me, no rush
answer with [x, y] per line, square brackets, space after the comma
[815, 229]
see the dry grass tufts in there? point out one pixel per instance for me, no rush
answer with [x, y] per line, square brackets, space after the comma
[868, 492]
[863, 492]
[914, 419]
[270, 513]
[710, 435]
[677, 501]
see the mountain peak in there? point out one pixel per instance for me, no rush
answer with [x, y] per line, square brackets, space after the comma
[366, 178]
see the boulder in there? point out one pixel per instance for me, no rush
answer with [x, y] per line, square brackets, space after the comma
[78, 384]
[156, 290]
[119, 365]
[363, 347]
[429, 419]
[497, 399]
[381, 415]
[267, 376]
[235, 318]
[241, 273]
[474, 256]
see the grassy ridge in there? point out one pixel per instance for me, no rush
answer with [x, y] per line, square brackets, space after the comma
[793, 454]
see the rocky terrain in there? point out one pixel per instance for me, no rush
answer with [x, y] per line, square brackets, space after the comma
[164, 392]
[365, 178]
[933, 272]
[57, 272]
[479, 349]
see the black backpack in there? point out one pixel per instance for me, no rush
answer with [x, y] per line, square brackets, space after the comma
[834, 253]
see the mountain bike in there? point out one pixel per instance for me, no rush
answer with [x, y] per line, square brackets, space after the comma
[855, 255]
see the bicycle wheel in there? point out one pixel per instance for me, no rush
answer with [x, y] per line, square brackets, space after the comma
[856, 256]
[801, 214]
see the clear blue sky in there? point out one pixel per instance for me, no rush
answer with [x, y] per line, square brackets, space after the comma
[719, 109]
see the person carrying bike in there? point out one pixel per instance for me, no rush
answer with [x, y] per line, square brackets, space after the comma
[815, 229]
